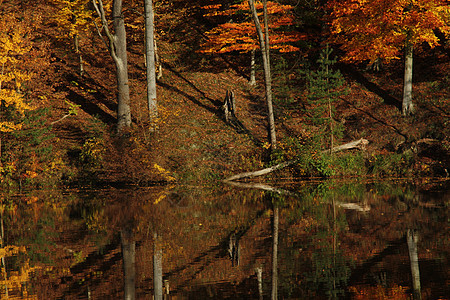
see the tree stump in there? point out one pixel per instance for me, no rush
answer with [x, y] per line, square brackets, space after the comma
[229, 107]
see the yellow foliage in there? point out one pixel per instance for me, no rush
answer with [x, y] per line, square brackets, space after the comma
[164, 173]
[13, 44]
[73, 17]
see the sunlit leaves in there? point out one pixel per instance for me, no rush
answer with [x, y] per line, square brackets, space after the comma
[15, 281]
[240, 35]
[13, 44]
[73, 17]
[380, 28]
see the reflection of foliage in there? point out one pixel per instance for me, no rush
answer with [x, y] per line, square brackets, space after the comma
[379, 292]
[15, 281]
[330, 273]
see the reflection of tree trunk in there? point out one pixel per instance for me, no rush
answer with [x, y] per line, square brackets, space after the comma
[157, 270]
[129, 269]
[412, 239]
[1, 246]
[275, 255]
[334, 245]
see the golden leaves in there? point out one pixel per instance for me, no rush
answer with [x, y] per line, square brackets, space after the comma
[13, 45]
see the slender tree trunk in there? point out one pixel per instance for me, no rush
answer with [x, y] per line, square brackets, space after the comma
[157, 61]
[76, 41]
[264, 45]
[252, 68]
[407, 104]
[150, 62]
[118, 51]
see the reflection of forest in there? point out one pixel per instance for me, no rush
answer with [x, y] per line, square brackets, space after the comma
[324, 249]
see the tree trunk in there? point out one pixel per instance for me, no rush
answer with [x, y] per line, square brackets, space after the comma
[118, 51]
[150, 59]
[76, 41]
[120, 44]
[407, 105]
[264, 45]
[252, 68]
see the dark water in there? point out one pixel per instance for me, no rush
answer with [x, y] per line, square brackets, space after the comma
[311, 240]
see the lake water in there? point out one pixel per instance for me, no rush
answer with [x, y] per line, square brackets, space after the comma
[356, 239]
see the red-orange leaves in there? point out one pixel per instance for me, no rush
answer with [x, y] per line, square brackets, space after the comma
[239, 34]
[380, 28]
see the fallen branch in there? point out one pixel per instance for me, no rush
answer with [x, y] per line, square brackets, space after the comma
[361, 143]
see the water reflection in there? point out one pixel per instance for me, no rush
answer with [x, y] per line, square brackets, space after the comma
[323, 240]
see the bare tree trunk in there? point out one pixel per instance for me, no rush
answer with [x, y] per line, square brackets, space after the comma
[150, 59]
[407, 104]
[76, 41]
[158, 61]
[118, 51]
[252, 80]
[265, 47]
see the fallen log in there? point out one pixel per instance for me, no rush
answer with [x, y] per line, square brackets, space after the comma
[361, 143]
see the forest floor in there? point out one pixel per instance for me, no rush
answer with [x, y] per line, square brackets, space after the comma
[194, 143]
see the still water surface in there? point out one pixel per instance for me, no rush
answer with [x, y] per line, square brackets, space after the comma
[314, 240]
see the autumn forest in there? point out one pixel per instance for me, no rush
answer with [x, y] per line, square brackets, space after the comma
[100, 96]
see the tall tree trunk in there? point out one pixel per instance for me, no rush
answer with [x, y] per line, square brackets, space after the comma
[76, 41]
[123, 111]
[407, 104]
[150, 62]
[118, 51]
[264, 45]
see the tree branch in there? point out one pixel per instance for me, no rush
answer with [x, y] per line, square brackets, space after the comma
[361, 143]
[101, 13]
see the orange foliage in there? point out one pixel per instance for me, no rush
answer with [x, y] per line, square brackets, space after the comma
[241, 36]
[379, 292]
[380, 28]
